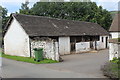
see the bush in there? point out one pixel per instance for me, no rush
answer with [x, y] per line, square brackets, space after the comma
[115, 60]
[112, 69]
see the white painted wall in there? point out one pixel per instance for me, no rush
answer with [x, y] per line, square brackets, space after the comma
[85, 46]
[16, 41]
[100, 44]
[82, 47]
[114, 50]
[50, 49]
[64, 45]
[115, 34]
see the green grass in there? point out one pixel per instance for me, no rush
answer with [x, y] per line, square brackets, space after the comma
[28, 59]
[112, 68]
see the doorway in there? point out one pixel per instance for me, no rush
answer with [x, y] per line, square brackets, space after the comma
[91, 44]
[72, 47]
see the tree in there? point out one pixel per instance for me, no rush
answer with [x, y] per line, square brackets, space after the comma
[0, 16]
[82, 11]
[24, 8]
[3, 12]
[3, 20]
[3, 16]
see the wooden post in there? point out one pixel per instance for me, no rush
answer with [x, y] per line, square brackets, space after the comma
[95, 43]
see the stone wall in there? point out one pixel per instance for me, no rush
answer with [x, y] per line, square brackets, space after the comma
[50, 48]
[114, 50]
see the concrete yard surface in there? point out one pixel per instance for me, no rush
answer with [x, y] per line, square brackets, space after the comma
[84, 65]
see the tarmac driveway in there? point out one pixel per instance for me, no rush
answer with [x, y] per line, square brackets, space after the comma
[85, 65]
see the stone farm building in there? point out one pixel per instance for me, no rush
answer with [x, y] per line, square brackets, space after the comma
[55, 36]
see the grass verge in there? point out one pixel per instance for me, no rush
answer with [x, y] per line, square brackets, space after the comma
[112, 69]
[28, 59]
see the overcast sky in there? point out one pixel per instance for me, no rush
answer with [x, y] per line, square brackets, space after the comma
[15, 5]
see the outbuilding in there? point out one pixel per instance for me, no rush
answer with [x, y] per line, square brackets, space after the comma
[114, 42]
[115, 27]
[56, 36]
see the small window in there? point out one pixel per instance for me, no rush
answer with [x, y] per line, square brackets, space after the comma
[102, 39]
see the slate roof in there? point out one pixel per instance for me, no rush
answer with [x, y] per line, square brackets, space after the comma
[115, 26]
[45, 26]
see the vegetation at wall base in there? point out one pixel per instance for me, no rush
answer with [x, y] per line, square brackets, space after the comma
[28, 59]
[112, 69]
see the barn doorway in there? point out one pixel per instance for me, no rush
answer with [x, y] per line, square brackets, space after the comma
[72, 47]
[72, 44]
[91, 45]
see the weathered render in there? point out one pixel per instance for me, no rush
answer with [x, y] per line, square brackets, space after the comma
[50, 48]
[16, 40]
[86, 46]
[114, 49]
[82, 47]
[56, 36]
[64, 45]
[102, 44]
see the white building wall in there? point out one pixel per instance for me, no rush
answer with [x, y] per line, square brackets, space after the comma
[82, 47]
[50, 49]
[100, 44]
[85, 46]
[16, 41]
[64, 45]
[114, 50]
[115, 34]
